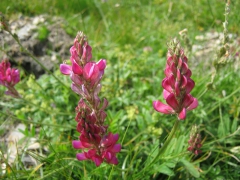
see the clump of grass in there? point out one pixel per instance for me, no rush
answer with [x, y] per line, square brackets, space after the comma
[43, 33]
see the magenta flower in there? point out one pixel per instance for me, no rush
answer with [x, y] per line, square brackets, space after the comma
[177, 84]
[86, 75]
[9, 77]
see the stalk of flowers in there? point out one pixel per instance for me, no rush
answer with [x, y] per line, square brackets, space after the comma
[9, 77]
[97, 144]
[195, 141]
[177, 84]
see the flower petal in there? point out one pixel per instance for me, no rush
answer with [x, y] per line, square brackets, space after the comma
[182, 114]
[166, 85]
[165, 94]
[171, 101]
[76, 79]
[77, 144]
[81, 156]
[76, 89]
[163, 108]
[65, 69]
[116, 148]
[101, 64]
[97, 160]
[193, 105]
[187, 100]
[76, 68]
[113, 160]
[190, 85]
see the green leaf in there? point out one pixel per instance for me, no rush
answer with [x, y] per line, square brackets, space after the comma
[180, 143]
[170, 163]
[164, 169]
[191, 168]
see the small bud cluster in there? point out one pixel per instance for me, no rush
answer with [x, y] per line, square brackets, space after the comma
[177, 84]
[96, 143]
[9, 77]
[195, 141]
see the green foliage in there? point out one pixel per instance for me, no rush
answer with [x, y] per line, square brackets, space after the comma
[43, 33]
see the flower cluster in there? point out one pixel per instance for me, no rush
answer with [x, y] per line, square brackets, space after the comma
[96, 143]
[195, 141]
[177, 84]
[9, 77]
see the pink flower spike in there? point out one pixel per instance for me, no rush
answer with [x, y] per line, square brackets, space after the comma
[65, 69]
[163, 108]
[9, 77]
[96, 143]
[177, 84]
[74, 54]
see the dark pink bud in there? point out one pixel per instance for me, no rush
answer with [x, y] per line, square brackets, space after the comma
[178, 75]
[184, 69]
[177, 89]
[101, 64]
[74, 54]
[180, 62]
[87, 53]
[199, 146]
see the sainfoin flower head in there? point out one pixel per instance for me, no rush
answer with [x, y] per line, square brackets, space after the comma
[177, 84]
[95, 141]
[9, 77]
[194, 141]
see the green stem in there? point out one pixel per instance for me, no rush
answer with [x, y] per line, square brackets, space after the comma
[169, 138]
[35, 59]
